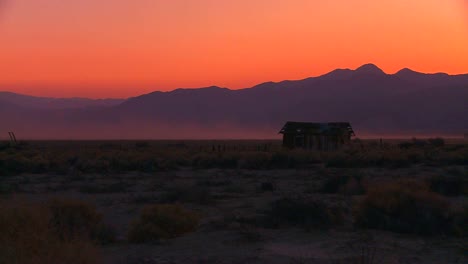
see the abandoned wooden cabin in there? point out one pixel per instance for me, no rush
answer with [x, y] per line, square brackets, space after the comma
[316, 136]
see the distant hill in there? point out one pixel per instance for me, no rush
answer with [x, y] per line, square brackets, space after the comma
[55, 103]
[406, 103]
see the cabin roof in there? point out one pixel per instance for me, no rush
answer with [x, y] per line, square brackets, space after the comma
[331, 128]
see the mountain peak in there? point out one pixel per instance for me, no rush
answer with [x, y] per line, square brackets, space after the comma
[406, 71]
[428, 78]
[191, 90]
[338, 74]
[369, 68]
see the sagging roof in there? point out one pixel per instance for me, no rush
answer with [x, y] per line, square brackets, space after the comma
[330, 128]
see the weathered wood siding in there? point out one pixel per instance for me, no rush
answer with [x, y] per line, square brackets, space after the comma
[314, 141]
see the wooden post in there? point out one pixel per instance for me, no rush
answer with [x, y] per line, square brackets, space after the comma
[12, 137]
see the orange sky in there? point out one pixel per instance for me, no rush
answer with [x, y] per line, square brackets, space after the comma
[121, 48]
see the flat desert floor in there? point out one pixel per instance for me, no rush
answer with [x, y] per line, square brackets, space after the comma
[238, 222]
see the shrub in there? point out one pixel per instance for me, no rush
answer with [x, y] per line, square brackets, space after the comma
[460, 218]
[449, 185]
[14, 164]
[392, 158]
[249, 234]
[447, 158]
[96, 165]
[344, 184]
[267, 187]
[281, 160]
[4, 146]
[8, 188]
[405, 145]
[405, 208]
[254, 160]
[436, 142]
[339, 160]
[215, 160]
[117, 187]
[188, 194]
[142, 144]
[302, 158]
[72, 219]
[419, 142]
[27, 238]
[303, 212]
[162, 222]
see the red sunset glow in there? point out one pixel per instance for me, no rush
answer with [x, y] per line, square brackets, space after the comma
[119, 48]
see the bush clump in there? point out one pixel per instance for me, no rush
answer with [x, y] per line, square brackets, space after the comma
[28, 236]
[436, 142]
[187, 194]
[344, 184]
[303, 212]
[117, 187]
[162, 221]
[392, 158]
[405, 207]
[449, 185]
[72, 219]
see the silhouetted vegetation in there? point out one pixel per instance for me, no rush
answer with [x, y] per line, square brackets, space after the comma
[151, 157]
[450, 185]
[162, 222]
[344, 184]
[117, 187]
[188, 194]
[406, 207]
[303, 212]
[32, 233]
[247, 192]
[72, 219]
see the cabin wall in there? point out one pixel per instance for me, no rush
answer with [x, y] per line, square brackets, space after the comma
[288, 140]
[318, 142]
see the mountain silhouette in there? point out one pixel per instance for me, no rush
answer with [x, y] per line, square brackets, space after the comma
[405, 103]
[369, 69]
[55, 103]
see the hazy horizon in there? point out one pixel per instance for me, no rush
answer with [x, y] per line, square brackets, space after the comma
[5, 88]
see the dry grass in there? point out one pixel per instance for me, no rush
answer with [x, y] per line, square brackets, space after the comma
[303, 212]
[187, 193]
[27, 237]
[241, 205]
[72, 220]
[162, 221]
[450, 185]
[406, 207]
[115, 157]
[344, 184]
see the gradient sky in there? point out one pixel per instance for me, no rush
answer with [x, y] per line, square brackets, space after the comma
[121, 48]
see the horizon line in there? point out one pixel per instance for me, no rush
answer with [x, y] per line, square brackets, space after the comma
[190, 88]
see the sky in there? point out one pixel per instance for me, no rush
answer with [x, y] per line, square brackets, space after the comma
[121, 48]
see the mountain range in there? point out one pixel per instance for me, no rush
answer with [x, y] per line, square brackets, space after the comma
[406, 103]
